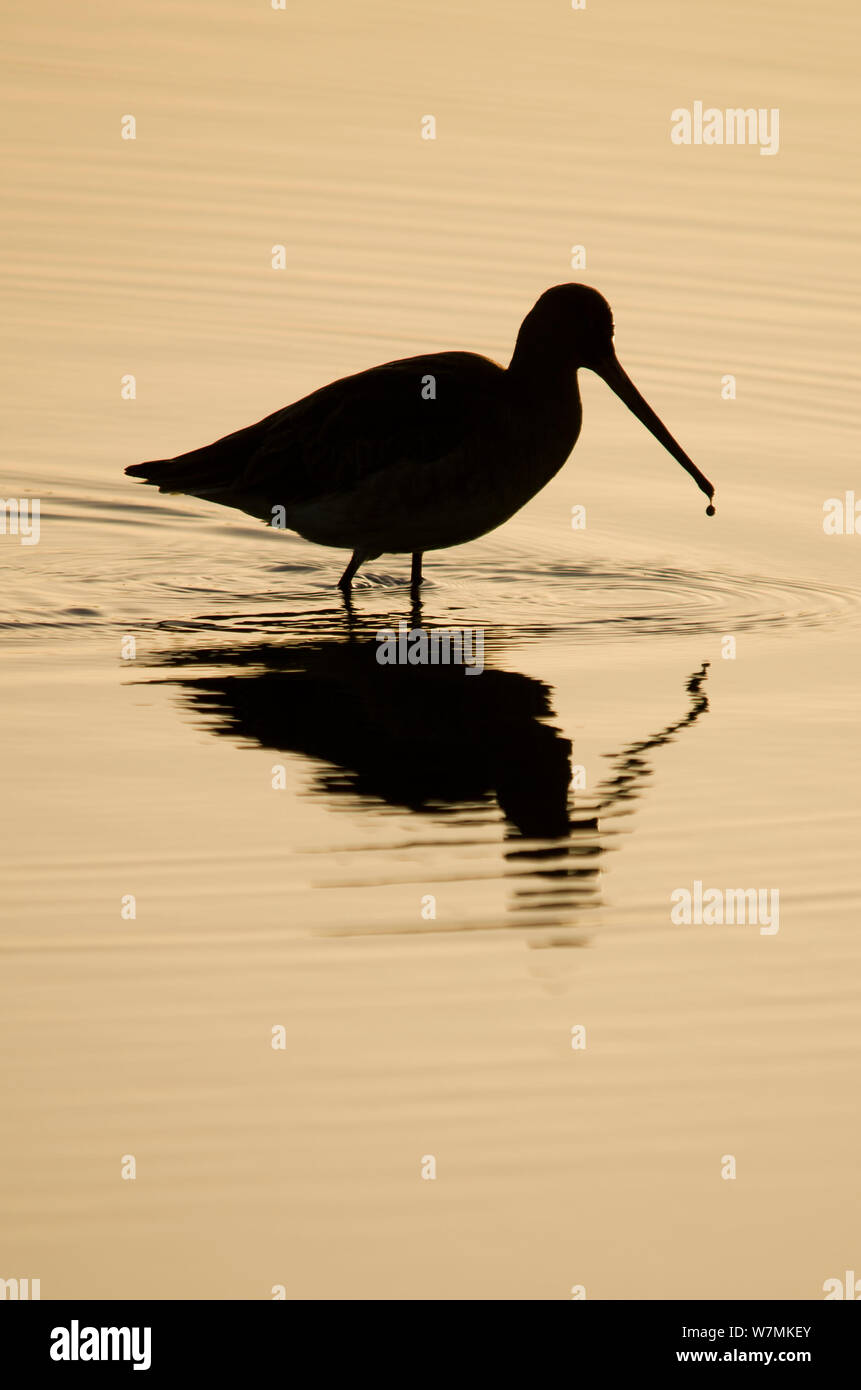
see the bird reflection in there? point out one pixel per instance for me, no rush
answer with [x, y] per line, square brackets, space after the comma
[568, 873]
[437, 742]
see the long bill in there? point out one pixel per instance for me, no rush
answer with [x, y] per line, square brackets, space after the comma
[610, 370]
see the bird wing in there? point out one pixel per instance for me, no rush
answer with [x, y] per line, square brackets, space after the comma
[406, 412]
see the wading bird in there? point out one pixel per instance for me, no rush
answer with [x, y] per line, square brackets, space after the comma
[426, 452]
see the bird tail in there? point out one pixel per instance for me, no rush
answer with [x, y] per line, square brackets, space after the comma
[201, 472]
[168, 474]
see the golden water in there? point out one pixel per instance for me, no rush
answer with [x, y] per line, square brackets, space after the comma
[302, 907]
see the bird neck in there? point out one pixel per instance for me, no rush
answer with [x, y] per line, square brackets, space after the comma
[543, 417]
[541, 380]
[538, 364]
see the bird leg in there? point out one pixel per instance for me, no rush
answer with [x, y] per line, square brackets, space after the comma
[416, 570]
[346, 581]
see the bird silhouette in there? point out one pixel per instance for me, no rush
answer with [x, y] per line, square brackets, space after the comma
[422, 453]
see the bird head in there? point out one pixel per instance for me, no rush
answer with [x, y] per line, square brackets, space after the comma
[571, 326]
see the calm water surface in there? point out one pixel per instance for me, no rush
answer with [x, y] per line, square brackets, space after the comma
[306, 907]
